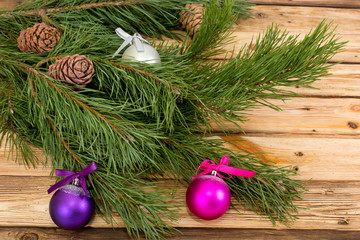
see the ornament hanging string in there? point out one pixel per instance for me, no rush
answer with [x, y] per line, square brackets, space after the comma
[71, 176]
[208, 166]
[136, 39]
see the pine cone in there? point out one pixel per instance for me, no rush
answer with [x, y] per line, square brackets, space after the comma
[39, 38]
[75, 69]
[192, 21]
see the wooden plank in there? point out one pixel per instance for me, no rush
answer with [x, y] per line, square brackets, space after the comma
[186, 233]
[311, 3]
[9, 4]
[313, 117]
[299, 20]
[331, 205]
[324, 159]
[344, 82]
[332, 116]
[8, 166]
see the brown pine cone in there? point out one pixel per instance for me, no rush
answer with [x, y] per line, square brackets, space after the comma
[75, 69]
[39, 38]
[192, 20]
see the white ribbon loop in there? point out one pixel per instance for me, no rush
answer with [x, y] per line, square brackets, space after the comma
[136, 39]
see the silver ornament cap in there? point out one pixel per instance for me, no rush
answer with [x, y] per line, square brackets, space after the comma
[140, 49]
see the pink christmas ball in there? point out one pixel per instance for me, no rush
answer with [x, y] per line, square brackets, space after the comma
[208, 197]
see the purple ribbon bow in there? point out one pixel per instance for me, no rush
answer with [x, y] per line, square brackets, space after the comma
[70, 176]
[208, 166]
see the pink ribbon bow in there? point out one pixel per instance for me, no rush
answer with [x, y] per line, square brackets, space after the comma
[208, 166]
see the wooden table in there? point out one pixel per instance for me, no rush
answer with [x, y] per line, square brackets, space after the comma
[318, 135]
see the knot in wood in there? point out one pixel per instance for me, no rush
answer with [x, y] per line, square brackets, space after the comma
[352, 125]
[344, 221]
[329, 192]
[29, 236]
[355, 108]
[261, 15]
[299, 154]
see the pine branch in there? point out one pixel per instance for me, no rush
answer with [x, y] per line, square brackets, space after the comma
[46, 60]
[44, 11]
[254, 75]
[109, 124]
[11, 109]
[119, 195]
[51, 22]
[214, 32]
[77, 101]
[142, 72]
[150, 17]
[17, 145]
[154, 231]
[141, 87]
[52, 125]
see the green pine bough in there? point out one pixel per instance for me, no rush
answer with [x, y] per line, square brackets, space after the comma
[141, 123]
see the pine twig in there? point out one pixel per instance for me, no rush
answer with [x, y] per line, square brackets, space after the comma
[51, 123]
[11, 109]
[63, 142]
[42, 12]
[71, 152]
[77, 101]
[51, 22]
[142, 72]
[46, 60]
[73, 155]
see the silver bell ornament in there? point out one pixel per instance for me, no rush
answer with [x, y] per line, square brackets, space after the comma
[140, 49]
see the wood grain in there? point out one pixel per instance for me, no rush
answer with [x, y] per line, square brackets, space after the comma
[312, 116]
[186, 233]
[9, 4]
[299, 20]
[344, 82]
[331, 116]
[323, 158]
[311, 3]
[331, 205]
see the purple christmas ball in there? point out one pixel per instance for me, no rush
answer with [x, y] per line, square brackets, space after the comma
[208, 197]
[70, 208]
